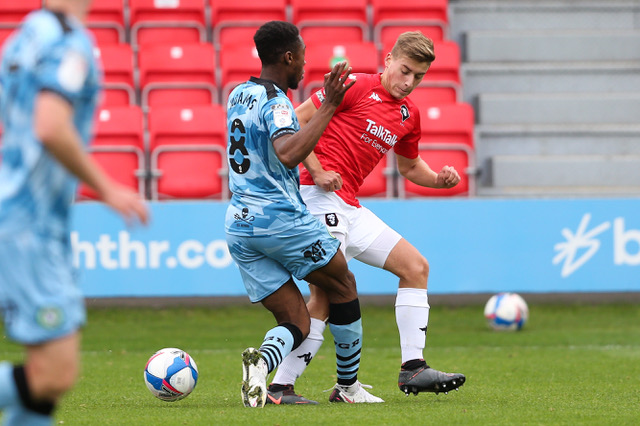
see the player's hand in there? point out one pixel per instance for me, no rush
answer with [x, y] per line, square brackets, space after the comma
[337, 82]
[328, 180]
[447, 178]
[126, 202]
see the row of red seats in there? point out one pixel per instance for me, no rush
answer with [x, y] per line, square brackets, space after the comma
[191, 73]
[193, 20]
[181, 151]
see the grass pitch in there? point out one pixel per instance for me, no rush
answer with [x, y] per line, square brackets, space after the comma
[570, 365]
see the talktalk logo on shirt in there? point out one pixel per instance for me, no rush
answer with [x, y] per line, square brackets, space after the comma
[383, 134]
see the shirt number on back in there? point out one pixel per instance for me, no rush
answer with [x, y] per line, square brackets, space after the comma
[238, 145]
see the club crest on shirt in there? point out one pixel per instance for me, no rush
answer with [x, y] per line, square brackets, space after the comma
[404, 110]
[282, 116]
[331, 219]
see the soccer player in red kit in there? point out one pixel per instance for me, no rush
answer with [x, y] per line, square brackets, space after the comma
[374, 117]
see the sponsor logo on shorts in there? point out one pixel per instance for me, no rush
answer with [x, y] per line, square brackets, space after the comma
[50, 317]
[331, 219]
[315, 252]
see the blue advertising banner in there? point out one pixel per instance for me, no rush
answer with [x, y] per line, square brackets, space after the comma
[473, 246]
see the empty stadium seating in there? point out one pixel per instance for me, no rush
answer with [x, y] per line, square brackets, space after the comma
[184, 69]
[167, 21]
[435, 93]
[118, 66]
[362, 57]
[391, 17]
[188, 152]
[237, 63]
[176, 61]
[106, 21]
[447, 139]
[331, 20]
[237, 22]
[118, 147]
[117, 63]
[12, 12]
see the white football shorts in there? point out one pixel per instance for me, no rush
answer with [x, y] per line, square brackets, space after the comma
[362, 234]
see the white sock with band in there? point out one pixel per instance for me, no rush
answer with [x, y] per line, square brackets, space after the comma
[296, 362]
[412, 317]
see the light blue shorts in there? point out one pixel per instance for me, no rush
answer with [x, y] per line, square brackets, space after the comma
[39, 298]
[267, 262]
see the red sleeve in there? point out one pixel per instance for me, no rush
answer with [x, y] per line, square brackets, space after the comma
[408, 145]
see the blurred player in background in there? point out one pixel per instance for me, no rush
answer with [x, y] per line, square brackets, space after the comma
[374, 117]
[270, 233]
[50, 86]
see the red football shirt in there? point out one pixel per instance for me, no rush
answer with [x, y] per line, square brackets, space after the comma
[366, 125]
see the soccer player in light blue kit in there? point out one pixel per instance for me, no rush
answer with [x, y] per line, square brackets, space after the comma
[50, 85]
[270, 233]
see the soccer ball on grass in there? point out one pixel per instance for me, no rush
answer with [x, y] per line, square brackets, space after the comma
[506, 312]
[171, 374]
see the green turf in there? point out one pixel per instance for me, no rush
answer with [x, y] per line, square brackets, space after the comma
[570, 365]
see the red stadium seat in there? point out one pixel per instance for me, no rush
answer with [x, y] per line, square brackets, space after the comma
[361, 57]
[448, 123]
[428, 16]
[106, 21]
[331, 20]
[117, 62]
[435, 93]
[168, 21]
[446, 67]
[167, 10]
[115, 94]
[118, 148]
[12, 12]
[188, 152]
[185, 70]
[447, 139]
[144, 33]
[193, 62]
[169, 94]
[238, 62]
[379, 183]
[460, 156]
[237, 22]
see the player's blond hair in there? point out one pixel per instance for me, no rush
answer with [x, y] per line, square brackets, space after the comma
[414, 45]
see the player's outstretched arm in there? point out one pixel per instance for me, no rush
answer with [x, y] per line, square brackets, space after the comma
[419, 172]
[53, 126]
[328, 180]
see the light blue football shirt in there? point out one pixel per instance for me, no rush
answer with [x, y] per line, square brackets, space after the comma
[266, 198]
[50, 52]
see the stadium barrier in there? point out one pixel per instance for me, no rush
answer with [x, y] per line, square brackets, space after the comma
[473, 246]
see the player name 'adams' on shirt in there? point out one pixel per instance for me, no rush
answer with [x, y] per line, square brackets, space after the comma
[367, 124]
[54, 53]
[265, 193]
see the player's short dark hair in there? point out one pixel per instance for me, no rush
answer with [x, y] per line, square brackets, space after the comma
[274, 39]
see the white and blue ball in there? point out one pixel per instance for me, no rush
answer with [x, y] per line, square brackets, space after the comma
[171, 374]
[506, 312]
